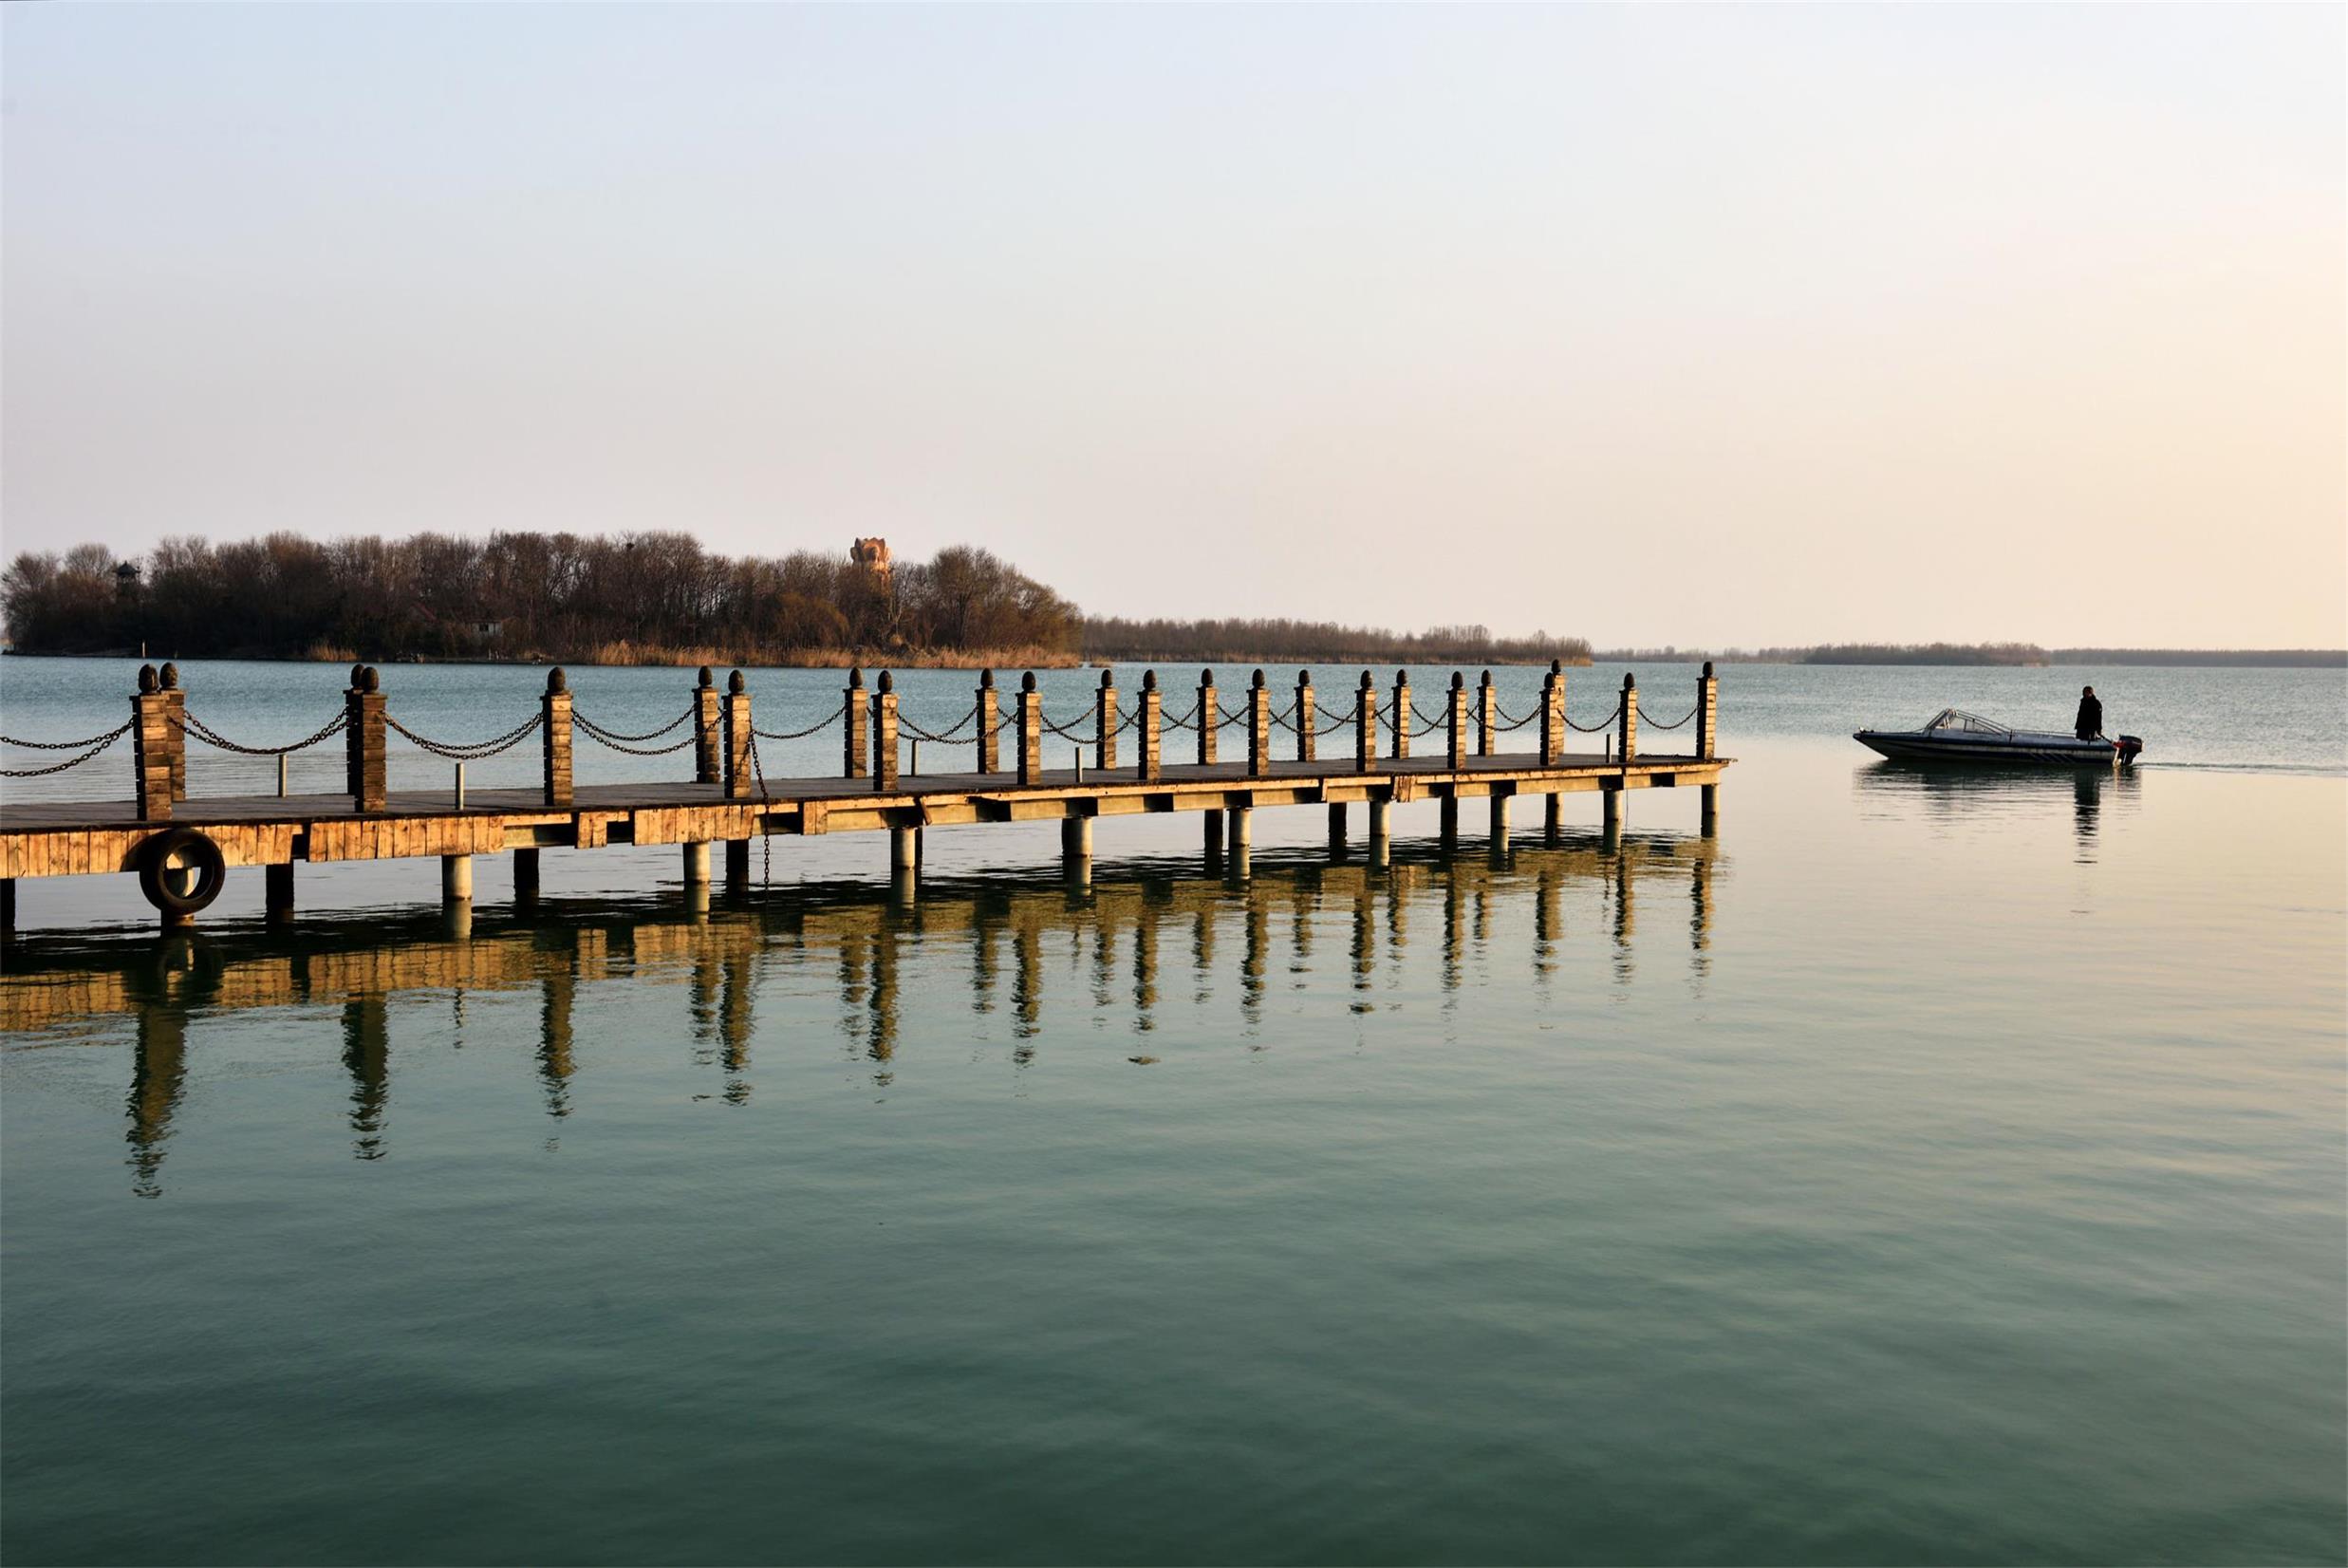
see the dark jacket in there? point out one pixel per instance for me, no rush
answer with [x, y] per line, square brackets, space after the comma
[2091, 718]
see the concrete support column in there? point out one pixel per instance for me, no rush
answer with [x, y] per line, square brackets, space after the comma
[696, 864]
[1381, 828]
[738, 865]
[525, 876]
[1242, 839]
[277, 890]
[1610, 819]
[1553, 818]
[1709, 817]
[456, 878]
[1214, 820]
[1450, 805]
[903, 852]
[1336, 827]
[1499, 824]
[1076, 848]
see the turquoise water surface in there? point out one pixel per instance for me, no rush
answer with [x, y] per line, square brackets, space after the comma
[1935, 1168]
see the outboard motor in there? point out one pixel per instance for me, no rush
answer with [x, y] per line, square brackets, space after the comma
[2129, 747]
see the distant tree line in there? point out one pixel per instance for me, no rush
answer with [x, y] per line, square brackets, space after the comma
[652, 598]
[1109, 638]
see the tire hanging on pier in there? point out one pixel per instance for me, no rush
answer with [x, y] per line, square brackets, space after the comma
[193, 852]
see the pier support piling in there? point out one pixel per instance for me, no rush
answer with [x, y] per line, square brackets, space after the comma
[456, 878]
[277, 890]
[7, 908]
[1553, 818]
[1076, 848]
[904, 851]
[696, 864]
[1214, 836]
[525, 876]
[1709, 822]
[738, 865]
[1450, 830]
[1610, 818]
[1242, 837]
[1336, 828]
[1381, 829]
[1499, 824]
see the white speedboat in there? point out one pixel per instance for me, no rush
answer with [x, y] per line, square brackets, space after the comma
[1955, 735]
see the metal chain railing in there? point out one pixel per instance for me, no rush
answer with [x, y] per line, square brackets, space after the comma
[94, 745]
[819, 726]
[604, 738]
[189, 725]
[468, 750]
[951, 736]
[1646, 723]
[1606, 723]
[608, 735]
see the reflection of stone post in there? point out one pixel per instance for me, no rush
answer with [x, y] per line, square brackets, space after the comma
[1153, 720]
[990, 716]
[705, 768]
[555, 709]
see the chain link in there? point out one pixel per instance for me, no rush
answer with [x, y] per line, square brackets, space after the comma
[951, 738]
[1646, 723]
[469, 751]
[96, 744]
[608, 735]
[1606, 723]
[190, 724]
[798, 734]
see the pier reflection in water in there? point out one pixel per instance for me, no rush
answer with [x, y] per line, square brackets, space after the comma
[1087, 964]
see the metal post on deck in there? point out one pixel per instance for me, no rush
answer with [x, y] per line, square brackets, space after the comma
[282, 758]
[461, 786]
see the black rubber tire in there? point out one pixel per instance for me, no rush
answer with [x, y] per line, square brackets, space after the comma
[201, 853]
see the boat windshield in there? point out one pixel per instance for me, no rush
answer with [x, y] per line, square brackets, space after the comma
[1973, 723]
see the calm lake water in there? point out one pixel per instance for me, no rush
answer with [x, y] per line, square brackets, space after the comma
[1932, 1168]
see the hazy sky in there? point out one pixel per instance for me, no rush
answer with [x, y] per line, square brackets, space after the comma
[1696, 324]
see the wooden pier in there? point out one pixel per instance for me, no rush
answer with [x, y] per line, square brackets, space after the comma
[1372, 746]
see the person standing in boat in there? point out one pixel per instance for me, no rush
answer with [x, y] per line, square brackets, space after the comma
[2091, 714]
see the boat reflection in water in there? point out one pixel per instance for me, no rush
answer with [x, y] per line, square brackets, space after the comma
[1959, 795]
[1122, 952]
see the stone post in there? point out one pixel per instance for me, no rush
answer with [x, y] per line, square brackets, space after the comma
[1552, 715]
[705, 762]
[150, 735]
[1030, 730]
[1259, 727]
[1366, 724]
[1210, 717]
[1630, 718]
[1456, 728]
[855, 722]
[1707, 713]
[176, 702]
[1487, 717]
[1305, 719]
[1105, 722]
[366, 739]
[1153, 731]
[554, 736]
[990, 714]
[1402, 713]
[885, 734]
[739, 772]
